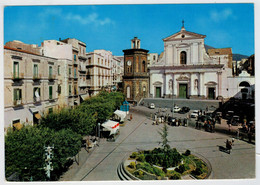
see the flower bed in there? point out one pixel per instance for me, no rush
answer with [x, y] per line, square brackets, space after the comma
[151, 165]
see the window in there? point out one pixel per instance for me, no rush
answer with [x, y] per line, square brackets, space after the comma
[59, 89]
[16, 69]
[35, 71]
[183, 57]
[69, 90]
[75, 58]
[50, 92]
[36, 94]
[50, 110]
[50, 71]
[143, 67]
[75, 73]
[128, 90]
[69, 71]
[17, 96]
[58, 70]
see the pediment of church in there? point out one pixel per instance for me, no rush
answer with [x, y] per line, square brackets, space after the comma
[157, 83]
[183, 78]
[184, 35]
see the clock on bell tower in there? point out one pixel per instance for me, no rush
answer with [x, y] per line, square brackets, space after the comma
[136, 76]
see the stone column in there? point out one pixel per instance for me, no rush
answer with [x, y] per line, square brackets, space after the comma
[191, 85]
[201, 84]
[219, 83]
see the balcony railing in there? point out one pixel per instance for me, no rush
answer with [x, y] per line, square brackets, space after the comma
[36, 99]
[52, 77]
[37, 77]
[17, 102]
[17, 76]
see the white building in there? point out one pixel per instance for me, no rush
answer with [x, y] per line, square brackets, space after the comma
[186, 70]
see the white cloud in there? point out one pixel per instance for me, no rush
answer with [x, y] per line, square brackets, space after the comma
[89, 19]
[218, 16]
[92, 18]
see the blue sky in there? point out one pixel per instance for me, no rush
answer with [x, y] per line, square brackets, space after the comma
[111, 27]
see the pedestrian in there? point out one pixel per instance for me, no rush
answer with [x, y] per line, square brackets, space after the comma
[187, 120]
[197, 124]
[228, 146]
[229, 126]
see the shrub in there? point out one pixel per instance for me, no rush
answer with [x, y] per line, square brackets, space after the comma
[197, 172]
[187, 153]
[132, 165]
[141, 158]
[133, 155]
[175, 176]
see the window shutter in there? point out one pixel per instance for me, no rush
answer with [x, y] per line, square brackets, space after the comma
[20, 94]
[15, 95]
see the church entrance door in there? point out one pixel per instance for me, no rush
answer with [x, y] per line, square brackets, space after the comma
[183, 90]
[211, 94]
[158, 92]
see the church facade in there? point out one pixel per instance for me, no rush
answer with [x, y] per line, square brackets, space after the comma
[186, 70]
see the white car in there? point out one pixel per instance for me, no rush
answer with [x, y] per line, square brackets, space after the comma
[176, 109]
[194, 114]
[152, 106]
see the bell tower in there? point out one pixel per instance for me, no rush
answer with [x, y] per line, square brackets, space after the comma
[136, 76]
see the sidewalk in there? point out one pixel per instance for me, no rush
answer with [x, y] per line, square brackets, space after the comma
[79, 160]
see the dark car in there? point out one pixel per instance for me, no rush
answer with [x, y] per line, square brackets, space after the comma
[171, 120]
[184, 110]
[203, 118]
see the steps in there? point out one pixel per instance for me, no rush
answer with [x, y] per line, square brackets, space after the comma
[122, 174]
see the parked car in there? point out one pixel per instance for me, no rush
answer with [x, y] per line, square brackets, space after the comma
[229, 115]
[184, 110]
[171, 120]
[194, 114]
[175, 109]
[235, 120]
[152, 106]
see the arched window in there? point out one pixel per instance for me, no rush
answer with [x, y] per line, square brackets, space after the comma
[128, 90]
[143, 66]
[244, 84]
[183, 59]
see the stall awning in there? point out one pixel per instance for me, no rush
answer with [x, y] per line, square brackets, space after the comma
[84, 96]
[37, 115]
[121, 114]
[18, 126]
[111, 126]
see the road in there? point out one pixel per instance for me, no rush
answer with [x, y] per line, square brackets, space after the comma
[141, 134]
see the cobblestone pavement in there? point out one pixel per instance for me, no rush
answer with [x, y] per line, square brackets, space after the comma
[140, 134]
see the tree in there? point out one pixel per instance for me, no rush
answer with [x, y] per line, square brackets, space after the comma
[25, 154]
[164, 134]
[166, 148]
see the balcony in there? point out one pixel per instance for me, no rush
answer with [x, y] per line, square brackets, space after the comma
[52, 77]
[37, 99]
[17, 103]
[36, 77]
[17, 77]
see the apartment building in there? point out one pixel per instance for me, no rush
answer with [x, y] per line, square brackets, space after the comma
[117, 71]
[99, 71]
[30, 84]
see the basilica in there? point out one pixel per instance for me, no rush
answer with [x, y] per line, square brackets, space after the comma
[187, 69]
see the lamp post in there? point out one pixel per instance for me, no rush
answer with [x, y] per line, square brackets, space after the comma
[98, 130]
[172, 101]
